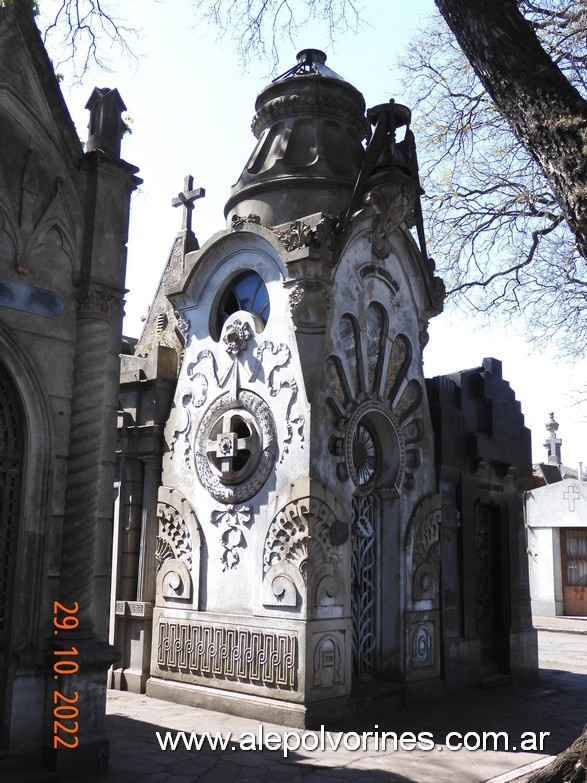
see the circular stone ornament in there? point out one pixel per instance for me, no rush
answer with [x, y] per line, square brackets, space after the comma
[235, 447]
[372, 436]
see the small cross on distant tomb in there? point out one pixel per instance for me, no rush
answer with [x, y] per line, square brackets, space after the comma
[186, 200]
[571, 495]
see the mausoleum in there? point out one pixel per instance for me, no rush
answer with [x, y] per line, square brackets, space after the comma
[63, 230]
[301, 523]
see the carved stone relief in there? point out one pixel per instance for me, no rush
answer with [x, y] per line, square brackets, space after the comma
[33, 203]
[177, 553]
[302, 556]
[423, 535]
[235, 447]
[369, 392]
[228, 652]
[328, 662]
[273, 367]
[233, 521]
[422, 645]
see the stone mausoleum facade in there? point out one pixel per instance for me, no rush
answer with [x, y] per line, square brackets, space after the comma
[63, 230]
[297, 527]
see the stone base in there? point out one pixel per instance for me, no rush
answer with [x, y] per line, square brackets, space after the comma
[133, 680]
[285, 713]
[524, 654]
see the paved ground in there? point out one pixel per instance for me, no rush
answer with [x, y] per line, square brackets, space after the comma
[556, 704]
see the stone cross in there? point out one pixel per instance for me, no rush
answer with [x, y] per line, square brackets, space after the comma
[570, 495]
[186, 199]
[228, 445]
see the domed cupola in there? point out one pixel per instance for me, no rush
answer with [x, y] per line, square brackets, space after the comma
[310, 124]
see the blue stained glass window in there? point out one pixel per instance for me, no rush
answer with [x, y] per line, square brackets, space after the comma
[247, 292]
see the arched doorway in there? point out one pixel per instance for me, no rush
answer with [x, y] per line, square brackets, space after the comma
[375, 462]
[11, 463]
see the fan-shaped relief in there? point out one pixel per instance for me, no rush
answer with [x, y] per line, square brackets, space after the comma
[374, 403]
[423, 539]
[303, 548]
[177, 551]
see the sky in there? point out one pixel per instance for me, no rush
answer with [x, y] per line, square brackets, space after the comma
[191, 101]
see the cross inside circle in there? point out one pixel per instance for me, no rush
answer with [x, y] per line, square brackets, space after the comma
[233, 445]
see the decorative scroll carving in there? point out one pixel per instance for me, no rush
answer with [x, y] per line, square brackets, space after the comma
[423, 645]
[423, 534]
[328, 662]
[237, 222]
[224, 652]
[177, 552]
[184, 432]
[174, 581]
[233, 520]
[301, 530]
[278, 378]
[304, 532]
[300, 234]
[365, 555]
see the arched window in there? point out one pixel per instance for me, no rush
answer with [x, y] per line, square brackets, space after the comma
[247, 293]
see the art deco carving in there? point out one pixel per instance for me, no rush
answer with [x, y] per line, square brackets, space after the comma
[233, 520]
[328, 662]
[370, 393]
[235, 447]
[174, 540]
[177, 552]
[364, 567]
[228, 652]
[273, 362]
[423, 535]
[304, 537]
[174, 581]
[422, 645]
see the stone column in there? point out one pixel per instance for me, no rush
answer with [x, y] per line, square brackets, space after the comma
[147, 565]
